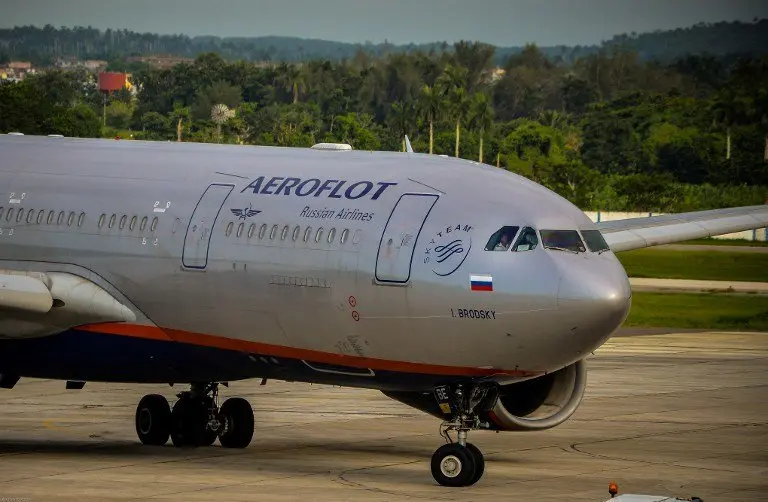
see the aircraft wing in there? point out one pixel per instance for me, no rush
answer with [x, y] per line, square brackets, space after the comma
[635, 233]
[34, 304]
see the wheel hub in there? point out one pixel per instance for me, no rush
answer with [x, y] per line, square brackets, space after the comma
[450, 466]
[145, 421]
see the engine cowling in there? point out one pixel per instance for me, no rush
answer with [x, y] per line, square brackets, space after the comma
[536, 404]
[539, 403]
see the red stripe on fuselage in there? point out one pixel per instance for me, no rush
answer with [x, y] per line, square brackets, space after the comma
[175, 335]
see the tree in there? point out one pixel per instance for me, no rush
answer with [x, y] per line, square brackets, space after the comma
[119, 115]
[80, 121]
[481, 118]
[401, 119]
[430, 107]
[460, 105]
[293, 80]
[217, 93]
[181, 116]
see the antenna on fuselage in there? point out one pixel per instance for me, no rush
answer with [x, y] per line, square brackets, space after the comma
[408, 147]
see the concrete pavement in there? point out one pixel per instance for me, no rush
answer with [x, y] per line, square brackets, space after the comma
[675, 414]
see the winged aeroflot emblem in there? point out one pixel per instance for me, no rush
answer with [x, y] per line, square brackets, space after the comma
[245, 213]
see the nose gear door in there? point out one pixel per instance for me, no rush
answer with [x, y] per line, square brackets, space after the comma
[398, 241]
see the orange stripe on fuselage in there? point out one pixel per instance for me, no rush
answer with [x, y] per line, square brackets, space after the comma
[175, 335]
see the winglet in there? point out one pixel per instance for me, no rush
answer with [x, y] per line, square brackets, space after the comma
[408, 147]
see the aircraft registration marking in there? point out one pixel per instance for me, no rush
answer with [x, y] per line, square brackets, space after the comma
[474, 313]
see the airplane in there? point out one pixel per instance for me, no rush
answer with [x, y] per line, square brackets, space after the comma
[460, 289]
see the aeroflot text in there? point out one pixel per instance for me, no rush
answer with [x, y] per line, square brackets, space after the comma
[336, 188]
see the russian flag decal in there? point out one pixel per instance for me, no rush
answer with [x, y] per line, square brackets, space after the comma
[481, 282]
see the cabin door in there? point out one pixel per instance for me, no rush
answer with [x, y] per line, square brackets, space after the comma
[200, 227]
[398, 242]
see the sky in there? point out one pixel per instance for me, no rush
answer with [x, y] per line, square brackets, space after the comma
[499, 22]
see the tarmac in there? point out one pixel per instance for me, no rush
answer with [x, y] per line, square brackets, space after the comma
[678, 414]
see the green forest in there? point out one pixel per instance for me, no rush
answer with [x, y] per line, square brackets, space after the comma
[609, 130]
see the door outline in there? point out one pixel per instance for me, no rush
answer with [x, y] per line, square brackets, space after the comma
[213, 224]
[435, 197]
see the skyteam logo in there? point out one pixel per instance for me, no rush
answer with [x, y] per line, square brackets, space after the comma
[245, 213]
[448, 249]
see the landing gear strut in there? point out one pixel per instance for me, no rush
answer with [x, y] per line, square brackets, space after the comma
[461, 463]
[195, 420]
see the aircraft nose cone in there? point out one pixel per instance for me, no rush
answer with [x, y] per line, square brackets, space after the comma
[595, 295]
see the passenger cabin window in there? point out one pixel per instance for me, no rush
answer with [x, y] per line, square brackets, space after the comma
[101, 219]
[527, 240]
[40, 216]
[501, 239]
[70, 218]
[595, 241]
[240, 229]
[81, 219]
[9, 215]
[153, 225]
[50, 217]
[262, 230]
[229, 228]
[296, 232]
[30, 215]
[123, 219]
[20, 216]
[307, 233]
[273, 232]
[112, 221]
[319, 234]
[331, 235]
[251, 229]
[60, 218]
[132, 224]
[344, 235]
[143, 224]
[284, 233]
[562, 240]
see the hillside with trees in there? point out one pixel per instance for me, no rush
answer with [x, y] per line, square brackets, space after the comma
[43, 46]
[609, 131]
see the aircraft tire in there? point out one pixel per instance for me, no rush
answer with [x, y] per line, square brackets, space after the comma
[453, 465]
[479, 463]
[189, 421]
[153, 420]
[237, 414]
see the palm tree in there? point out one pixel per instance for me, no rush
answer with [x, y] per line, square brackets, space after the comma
[430, 106]
[401, 117]
[481, 118]
[181, 114]
[460, 107]
[293, 80]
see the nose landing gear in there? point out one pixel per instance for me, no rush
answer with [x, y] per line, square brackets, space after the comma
[460, 463]
[195, 420]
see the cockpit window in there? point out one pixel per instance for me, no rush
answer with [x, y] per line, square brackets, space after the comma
[527, 241]
[501, 239]
[595, 241]
[562, 240]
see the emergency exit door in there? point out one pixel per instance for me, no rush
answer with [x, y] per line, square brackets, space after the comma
[200, 228]
[398, 242]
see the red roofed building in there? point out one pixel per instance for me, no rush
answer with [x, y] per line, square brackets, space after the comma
[112, 81]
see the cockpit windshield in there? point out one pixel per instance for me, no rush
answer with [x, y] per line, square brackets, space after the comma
[527, 240]
[595, 241]
[501, 239]
[562, 240]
